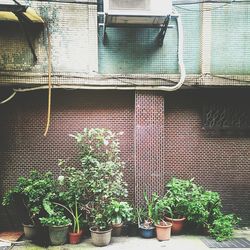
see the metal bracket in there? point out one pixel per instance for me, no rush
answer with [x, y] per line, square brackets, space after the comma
[104, 36]
[22, 22]
[163, 30]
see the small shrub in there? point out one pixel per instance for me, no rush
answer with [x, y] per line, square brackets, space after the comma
[222, 227]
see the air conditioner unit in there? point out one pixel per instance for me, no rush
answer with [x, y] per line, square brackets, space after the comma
[149, 13]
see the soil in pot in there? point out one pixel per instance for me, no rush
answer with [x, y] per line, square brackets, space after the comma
[30, 231]
[75, 238]
[100, 238]
[58, 235]
[117, 229]
[163, 231]
[177, 224]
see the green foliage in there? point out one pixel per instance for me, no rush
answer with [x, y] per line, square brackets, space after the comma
[72, 185]
[161, 208]
[222, 227]
[136, 214]
[119, 211]
[101, 171]
[204, 207]
[178, 195]
[55, 220]
[32, 191]
[200, 206]
[149, 215]
[100, 217]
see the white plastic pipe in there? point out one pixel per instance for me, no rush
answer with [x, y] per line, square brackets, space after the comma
[180, 56]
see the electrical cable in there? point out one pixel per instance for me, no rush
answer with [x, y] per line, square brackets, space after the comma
[9, 98]
[210, 1]
[204, 10]
[175, 4]
[67, 1]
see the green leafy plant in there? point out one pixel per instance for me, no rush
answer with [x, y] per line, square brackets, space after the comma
[204, 207]
[178, 195]
[161, 208]
[201, 207]
[31, 191]
[72, 185]
[55, 215]
[102, 171]
[222, 227]
[119, 211]
[55, 220]
[149, 214]
[135, 215]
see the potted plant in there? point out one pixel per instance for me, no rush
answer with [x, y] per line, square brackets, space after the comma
[72, 188]
[205, 211]
[119, 212]
[147, 228]
[100, 226]
[177, 198]
[163, 228]
[203, 208]
[27, 196]
[102, 172]
[58, 226]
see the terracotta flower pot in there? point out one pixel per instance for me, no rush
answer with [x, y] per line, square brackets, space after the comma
[75, 238]
[178, 224]
[163, 231]
[117, 229]
[100, 238]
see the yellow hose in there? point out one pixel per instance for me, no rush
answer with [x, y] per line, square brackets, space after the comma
[49, 83]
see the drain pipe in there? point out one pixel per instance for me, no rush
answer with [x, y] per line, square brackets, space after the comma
[182, 69]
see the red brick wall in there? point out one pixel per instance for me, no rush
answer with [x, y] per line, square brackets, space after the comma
[23, 146]
[153, 153]
[219, 162]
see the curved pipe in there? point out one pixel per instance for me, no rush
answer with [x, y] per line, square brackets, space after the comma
[180, 57]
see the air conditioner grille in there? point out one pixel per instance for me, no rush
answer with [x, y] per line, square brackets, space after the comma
[129, 4]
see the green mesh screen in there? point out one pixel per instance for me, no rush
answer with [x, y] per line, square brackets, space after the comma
[133, 50]
[231, 39]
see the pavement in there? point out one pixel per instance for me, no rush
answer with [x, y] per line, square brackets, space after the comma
[187, 242]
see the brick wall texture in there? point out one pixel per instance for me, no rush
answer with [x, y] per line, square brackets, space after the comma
[163, 137]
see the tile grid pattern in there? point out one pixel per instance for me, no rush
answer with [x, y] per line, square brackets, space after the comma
[149, 144]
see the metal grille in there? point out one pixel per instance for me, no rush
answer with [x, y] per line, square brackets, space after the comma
[234, 243]
[219, 116]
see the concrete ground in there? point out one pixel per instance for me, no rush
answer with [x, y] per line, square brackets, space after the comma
[187, 242]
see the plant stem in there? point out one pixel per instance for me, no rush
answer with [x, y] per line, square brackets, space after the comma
[77, 217]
